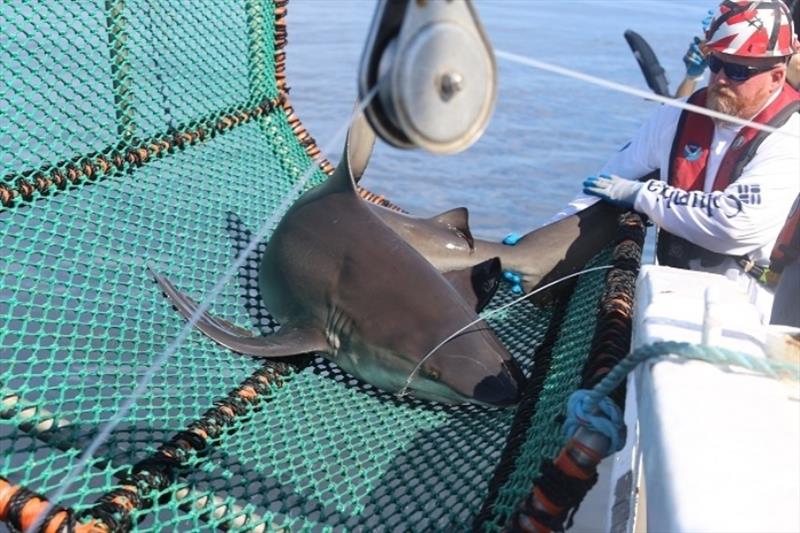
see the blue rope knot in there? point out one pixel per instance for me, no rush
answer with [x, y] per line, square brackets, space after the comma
[593, 409]
[603, 416]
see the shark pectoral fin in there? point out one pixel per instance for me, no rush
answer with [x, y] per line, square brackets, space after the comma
[478, 283]
[282, 344]
[186, 306]
[456, 220]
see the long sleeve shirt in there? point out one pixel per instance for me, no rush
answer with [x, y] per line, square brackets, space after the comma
[744, 218]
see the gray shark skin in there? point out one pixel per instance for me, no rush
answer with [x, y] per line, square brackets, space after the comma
[343, 284]
[541, 256]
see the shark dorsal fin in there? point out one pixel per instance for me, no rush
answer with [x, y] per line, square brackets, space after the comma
[342, 178]
[478, 283]
[355, 156]
[360, 141]
[456, 220]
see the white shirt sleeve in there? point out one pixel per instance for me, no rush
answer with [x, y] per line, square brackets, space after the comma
[748, 214]
[647, 151]
[649, 148]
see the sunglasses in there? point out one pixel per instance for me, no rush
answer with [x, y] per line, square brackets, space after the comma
[735, 71]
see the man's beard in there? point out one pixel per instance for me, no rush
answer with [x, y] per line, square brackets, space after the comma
[723, 100]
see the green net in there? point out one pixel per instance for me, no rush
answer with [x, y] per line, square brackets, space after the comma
[136, 133]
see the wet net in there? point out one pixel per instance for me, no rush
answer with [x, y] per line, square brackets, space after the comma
[136, 133]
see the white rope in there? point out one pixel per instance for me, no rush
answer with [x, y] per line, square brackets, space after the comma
[647, 95]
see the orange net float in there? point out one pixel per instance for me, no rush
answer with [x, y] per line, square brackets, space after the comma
[22, 509]
[562, 485]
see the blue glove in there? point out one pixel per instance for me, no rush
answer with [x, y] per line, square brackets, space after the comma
[708, 20]
[613, 189]
[694, 60]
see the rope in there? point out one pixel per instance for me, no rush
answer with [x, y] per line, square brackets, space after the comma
[602, 417]
[592, 408]
[709, 354]
[594, 80]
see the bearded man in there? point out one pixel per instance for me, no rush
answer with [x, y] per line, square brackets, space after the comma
[722, 191]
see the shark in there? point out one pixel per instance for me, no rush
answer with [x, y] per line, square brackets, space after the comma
[345, 285]
[541, 256]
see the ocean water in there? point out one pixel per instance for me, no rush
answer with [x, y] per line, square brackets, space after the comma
[547, 133]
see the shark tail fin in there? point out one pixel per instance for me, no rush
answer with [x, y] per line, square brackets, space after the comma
[563, 246]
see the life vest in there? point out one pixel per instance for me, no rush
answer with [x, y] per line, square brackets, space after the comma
[787, 247]
[689, 158]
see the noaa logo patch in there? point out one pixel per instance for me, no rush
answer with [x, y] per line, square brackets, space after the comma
[692, 152]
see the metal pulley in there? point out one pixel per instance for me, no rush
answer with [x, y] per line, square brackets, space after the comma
[434, 71]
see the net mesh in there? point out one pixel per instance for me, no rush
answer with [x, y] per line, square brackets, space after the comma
[136, 133]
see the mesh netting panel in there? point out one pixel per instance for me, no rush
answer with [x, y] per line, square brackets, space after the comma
[329, 450]
[544, 437]
[135, 133]
[92, 77]
[85, 320]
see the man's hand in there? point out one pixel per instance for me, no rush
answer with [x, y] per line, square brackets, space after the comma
[613, 189]
[694, 60]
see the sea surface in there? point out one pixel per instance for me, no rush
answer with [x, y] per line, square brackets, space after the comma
[548, 132]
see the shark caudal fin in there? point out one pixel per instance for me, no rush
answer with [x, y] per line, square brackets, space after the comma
[286, 342]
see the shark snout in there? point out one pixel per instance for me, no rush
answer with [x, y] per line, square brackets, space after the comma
[482, 380]
[502, 389]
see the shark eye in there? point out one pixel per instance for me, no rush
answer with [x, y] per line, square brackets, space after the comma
[433, 374]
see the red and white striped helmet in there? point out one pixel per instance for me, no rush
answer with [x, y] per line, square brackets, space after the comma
[752, 29]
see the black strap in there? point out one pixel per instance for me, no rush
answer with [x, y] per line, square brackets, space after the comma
[777, 121]
[678, 252]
